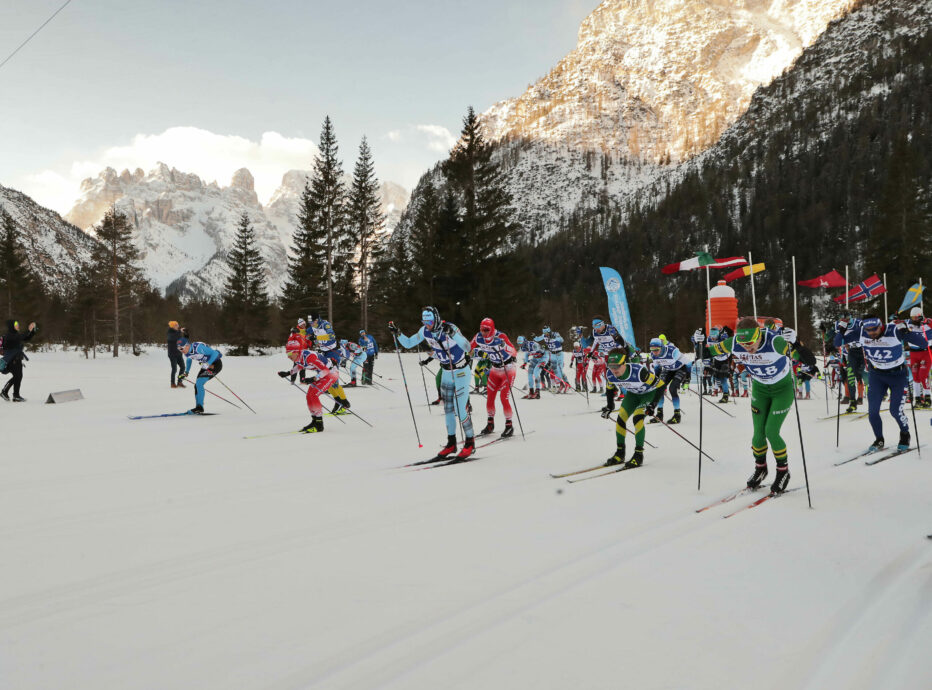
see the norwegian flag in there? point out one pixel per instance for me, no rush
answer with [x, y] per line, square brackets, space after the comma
[871, 287]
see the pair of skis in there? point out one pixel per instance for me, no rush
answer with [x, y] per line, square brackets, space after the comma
[189, 413]
[609, 469]
[879, 458]
[731, 496]
[444, 461]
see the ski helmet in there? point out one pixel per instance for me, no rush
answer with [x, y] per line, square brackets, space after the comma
[617, 357]
[487, 325]
[430, 317]
[913, 313]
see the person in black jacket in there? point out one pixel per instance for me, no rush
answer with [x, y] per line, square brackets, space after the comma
[174, 354]
[13, 357]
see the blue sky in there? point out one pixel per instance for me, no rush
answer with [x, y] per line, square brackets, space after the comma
[106, 79]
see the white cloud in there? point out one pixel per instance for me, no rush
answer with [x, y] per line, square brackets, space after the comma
[436, 138]
[189, 149]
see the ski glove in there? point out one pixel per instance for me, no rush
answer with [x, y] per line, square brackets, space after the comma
[607, 411]
[393, 328]
[448, 328]
[182, 376]
[699, 337]
[284, 374]
[425, 362]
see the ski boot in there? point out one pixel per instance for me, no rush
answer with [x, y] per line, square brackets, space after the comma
[5, 394]
[577, 388]
[637, 458]
[780, 480]
[339, 408]
[18, 398]
[489, 427]
[724, 398]
[676, 418]
[351, 383]
[469, 448]
[529, 395]
[315, 427]
[927, 401]
[655, 418]
[618, 458]
[437, 401]
[537, 394]
[448, 449]
[852, 407]
[878, 444]
[901, 446]
[760, 474]
[845, 400]
[509, 429]
[859, 401]
[197, 409]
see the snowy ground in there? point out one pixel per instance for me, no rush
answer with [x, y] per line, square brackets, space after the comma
[173, 553]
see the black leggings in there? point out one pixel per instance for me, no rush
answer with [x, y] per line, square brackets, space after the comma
[15, 369]
[177, 360]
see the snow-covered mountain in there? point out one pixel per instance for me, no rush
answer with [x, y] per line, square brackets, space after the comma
[650, 83]
[185, 227]
[53, 247]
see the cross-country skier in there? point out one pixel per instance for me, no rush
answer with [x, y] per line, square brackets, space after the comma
[356, 356]
[598, 370]
[450, 348]
[640, 387]
[579, 358]
[211, 364]
[806, 369]
[605, 337]
[766, 357]
[500, 354]
[532, 359]
[552, 342]
[854, 366]
[367, 342]
[882, 344]
[321, 336]
[673, 368]
[721, 364]
[920, 360]
[480, 375]
[306, 360]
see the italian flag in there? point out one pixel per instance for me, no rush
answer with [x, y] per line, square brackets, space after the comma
[701, 260]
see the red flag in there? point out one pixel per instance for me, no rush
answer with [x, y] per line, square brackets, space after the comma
[832, 279]
[871, 287]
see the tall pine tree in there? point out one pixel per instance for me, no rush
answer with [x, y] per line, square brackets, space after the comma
[18, 288]
[305, 280]
[328, 194]
[245, 299]
[116, 256]
[365, 222]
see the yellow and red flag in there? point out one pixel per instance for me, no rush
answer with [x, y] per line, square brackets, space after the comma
[743, 271]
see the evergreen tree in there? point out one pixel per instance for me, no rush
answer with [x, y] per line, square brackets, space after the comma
[328, 197]
[305, 280]
[18, 288]
[245, 300]
[423, 241]
[115, 258]
[365, 222]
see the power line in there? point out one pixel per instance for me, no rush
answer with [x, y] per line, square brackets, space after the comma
[32, 35]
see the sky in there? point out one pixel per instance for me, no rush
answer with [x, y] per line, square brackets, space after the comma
[210, 87]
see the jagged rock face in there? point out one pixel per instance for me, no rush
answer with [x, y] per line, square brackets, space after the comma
[53, 247]
[660, 80]
[185, 227]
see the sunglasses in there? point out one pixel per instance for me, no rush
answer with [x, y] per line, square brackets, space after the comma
[746, 336]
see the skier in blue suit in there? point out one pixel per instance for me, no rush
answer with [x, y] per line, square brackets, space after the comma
[372, 352]
[449, 347]
[211, 364]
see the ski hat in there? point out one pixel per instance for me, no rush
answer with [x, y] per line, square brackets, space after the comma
[487, 325]
[714, 331]
[915, 311]
[430, 315]
[173, 324]
[576, 345]
[656, 343]
[617, 357]
[302, 322]
[343, 343]
[545, 329]
[521, 340]
[182, 342]
[294, 344]
[872, 322]
[362, 331]
[598, 322]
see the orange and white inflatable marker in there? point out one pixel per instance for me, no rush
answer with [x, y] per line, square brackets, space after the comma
[721, 307]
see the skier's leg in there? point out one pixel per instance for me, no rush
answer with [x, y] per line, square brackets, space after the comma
[875, 392]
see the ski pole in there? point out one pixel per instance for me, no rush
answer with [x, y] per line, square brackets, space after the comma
[699, 361]
[912, 406]
[234, 394]
[518, 414]
[407, 392]
[305, 392]
[802, 447]
[424, 381]
[838, 413]
[222, 398]
[683, 437]
[715, 405]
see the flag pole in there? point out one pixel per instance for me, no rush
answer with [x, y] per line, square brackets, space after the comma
[753, 294]
[886, 314]
[708, 302]
[920, 293]
[795, 317]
